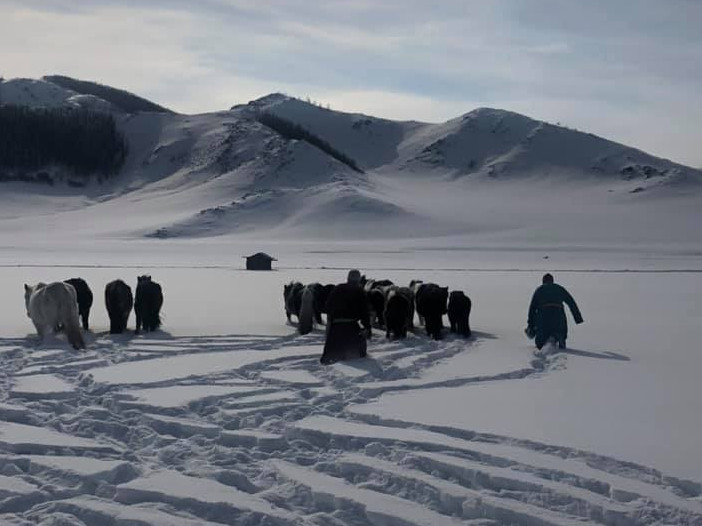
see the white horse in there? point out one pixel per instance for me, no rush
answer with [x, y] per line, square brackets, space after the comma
[52, 305]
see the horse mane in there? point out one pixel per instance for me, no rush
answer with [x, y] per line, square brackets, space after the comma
[306, 318]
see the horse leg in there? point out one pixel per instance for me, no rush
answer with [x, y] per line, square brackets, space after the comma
[84, 316]
[434, 328]
[40, 330]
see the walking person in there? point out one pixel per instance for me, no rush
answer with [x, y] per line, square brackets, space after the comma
[547, 317]
[346, 307]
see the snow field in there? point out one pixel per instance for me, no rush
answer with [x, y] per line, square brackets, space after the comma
[235, 427]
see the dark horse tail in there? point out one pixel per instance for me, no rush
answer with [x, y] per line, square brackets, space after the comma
[152, 321]
[119, 301]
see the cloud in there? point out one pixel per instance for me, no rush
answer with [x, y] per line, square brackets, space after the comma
[628, 70]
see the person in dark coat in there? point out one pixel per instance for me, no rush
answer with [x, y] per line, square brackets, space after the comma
[547, 316]
[346, 306]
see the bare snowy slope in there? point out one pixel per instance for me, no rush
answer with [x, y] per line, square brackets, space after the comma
[501, 143]
[485, 141]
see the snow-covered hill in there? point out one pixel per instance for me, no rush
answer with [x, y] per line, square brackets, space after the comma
[45, 94]
[501, 143]
[490, 175]
[54, 91]
[485, 141]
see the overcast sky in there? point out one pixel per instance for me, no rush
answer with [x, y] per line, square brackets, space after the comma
[629, 70]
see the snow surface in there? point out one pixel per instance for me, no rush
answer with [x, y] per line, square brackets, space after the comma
[24, 438]
[182, 395]
[196, 364]
[92, 510]
[212, 496]
[293, 377]
[42, 385]
[12, 486]
[225, 416]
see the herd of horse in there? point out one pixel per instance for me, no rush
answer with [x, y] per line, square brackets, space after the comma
[391, 307]
[62, 305]
[57, 306]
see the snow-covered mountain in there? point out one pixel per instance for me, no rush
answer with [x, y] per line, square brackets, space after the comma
[490, 173]
[44, 94]
[55, 91]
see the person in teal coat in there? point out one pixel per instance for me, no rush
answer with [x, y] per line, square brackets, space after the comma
[547, 317]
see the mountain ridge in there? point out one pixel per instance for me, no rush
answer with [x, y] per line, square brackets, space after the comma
[227, 173]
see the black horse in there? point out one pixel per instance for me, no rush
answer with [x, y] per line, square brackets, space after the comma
[431, 303]
[292, 297]
[375, 293]
[148, 303]
[119, 302]
[459, 306]
[398, 311]
[322, 298]
[85, 298]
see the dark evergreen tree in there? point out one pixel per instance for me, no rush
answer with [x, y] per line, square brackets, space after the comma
[291, 130]
[82, 141]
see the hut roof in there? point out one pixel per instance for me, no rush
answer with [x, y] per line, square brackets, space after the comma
[260, 255]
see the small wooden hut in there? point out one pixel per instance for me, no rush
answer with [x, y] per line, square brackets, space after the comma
[259, 261]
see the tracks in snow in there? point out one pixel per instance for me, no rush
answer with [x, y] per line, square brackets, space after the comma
[246, 430]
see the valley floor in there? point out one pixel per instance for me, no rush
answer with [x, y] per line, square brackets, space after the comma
[227, 417]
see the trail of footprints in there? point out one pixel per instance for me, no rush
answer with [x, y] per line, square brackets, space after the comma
[275, 444]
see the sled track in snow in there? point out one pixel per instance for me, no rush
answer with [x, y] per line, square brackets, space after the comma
[247, 430]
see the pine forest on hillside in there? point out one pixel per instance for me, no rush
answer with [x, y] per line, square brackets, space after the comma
[82, 141]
